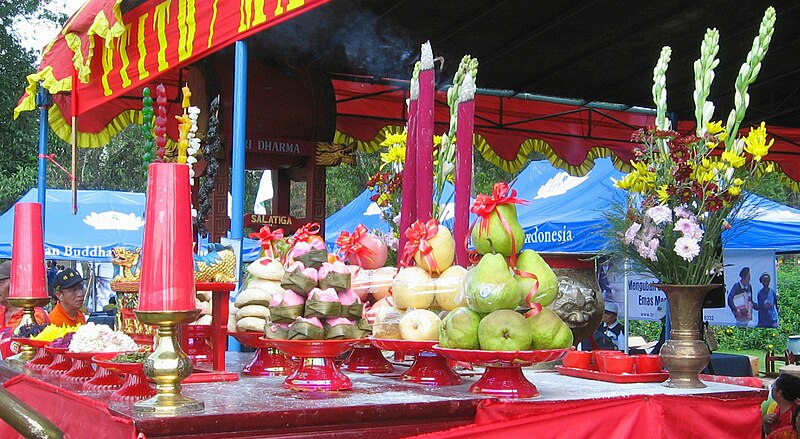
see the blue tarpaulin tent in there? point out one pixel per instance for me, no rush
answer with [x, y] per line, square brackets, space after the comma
[565, 213]
[105, 219]
[364, 211]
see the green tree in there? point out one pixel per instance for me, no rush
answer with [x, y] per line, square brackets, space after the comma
[18, 154]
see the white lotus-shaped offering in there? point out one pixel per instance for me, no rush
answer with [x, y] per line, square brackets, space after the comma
[113, 220]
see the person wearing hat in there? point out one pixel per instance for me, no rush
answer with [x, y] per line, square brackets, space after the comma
[69, 291]
[10, 316]
[610, 334]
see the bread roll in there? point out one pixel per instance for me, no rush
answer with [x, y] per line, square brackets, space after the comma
[253, 296]
[232, 322]
[253, 311]
[203, 320]
[270, 286]
[266, 268]
[203, 296]
[249, 324]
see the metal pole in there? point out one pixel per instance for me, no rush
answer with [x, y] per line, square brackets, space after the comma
[24, 419]
[43, 101]
[237, 167]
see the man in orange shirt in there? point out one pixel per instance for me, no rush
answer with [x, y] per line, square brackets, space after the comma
[69, 291]
[10, 316]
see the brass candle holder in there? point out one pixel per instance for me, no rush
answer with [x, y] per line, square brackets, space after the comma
[28, 305]
[168, 365]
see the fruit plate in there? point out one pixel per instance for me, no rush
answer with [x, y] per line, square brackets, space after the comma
[503, 375]
[428, 367]
[317, 370]
[410, 347]
[623, 378]
[501, 358]
[267, 360]
[31, 342]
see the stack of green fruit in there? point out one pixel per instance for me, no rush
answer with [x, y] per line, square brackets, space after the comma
[494, 291]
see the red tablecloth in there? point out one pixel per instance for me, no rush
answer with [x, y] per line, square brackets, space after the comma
[637, 416]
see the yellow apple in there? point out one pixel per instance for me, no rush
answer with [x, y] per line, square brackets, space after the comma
[443, 251]
[412, 288]
[420, 324]
[450, 288]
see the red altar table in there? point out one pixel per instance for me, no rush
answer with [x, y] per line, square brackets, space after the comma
[386, 407]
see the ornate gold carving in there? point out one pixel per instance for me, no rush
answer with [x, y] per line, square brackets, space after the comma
[334, 154]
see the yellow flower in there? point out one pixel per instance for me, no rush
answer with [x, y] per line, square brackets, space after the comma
[663, 196]
[395, 154]
[756, 142]
[437, 140]
[394, 139]
[718, 130]
[735, 160]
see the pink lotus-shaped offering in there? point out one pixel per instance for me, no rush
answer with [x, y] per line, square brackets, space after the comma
[352, 308]
[323, 303]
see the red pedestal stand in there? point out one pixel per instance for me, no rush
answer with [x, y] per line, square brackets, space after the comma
[317, 370]
[42, 358]
[503, 375]
[428, 366]
[81, 369]
[366, 358]
[135, 386]
[102, 379]
[60, 364]
[268, 360]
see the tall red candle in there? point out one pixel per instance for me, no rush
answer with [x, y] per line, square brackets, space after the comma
[28, 275]
[425, 135]
[167, 280]
[408, 208]
[466, 125]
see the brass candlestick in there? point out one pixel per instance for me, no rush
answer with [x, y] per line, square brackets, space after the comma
[168, 365]
[28, 305]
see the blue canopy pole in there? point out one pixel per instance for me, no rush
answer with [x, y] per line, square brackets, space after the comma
[237, 168]
[43, 101]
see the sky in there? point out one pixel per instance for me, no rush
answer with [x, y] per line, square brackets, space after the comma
[35, 35]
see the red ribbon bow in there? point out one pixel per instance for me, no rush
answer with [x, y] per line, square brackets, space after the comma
[306, 232]
[484, 205]
[501, 194]
[351, 244]
[267, 238]
[417, 237]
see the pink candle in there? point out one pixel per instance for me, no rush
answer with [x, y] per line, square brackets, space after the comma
[408, 208]
[167, 281]
[425, 129]
[28, 276]
[466, 123]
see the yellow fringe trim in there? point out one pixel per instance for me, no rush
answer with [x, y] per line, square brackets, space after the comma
[63, 128]
[100, 27]
[512, 166]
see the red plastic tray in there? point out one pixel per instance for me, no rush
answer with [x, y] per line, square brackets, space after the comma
[31, 342]
[407, 346]
[312, 348]
[501, 357]
[87, 356]
[624, 378]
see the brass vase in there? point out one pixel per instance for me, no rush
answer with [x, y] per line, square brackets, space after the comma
[684, 355]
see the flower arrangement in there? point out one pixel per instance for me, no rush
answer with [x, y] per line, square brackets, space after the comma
[685, 188]
[388, 181]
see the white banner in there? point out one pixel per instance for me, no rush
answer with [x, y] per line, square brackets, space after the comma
[750, 299]
[751, 290]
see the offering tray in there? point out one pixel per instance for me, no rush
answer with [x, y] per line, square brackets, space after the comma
[60, 364]
[366, 358]
[81, 369]
[619, 378]
[503, 375]
[317, 370]
[135, 386]
[42, 358]
[268, 360]
[428, 367]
